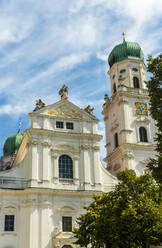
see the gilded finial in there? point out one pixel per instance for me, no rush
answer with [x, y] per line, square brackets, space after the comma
[123, 36]
[19, 124]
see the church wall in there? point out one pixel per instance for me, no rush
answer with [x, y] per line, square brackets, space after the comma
[140, 161]
[39, 217]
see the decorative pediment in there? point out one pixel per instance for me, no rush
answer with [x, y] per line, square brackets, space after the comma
[64, 109]
[66, 209]
[144, 119]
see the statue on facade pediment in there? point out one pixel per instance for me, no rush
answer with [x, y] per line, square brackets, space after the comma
[39, 104]
[63, 92]
[106, 98]
[89, 110]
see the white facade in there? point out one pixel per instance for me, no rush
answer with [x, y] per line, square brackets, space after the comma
[38, 195]
[123, 119]
[32, 190]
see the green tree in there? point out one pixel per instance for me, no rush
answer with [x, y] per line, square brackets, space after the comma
[128, 217]
[155, 92]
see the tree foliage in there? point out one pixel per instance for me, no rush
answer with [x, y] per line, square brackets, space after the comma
[155, 92]
[127, 217]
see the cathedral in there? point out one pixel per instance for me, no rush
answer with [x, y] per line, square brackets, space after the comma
[52, 170]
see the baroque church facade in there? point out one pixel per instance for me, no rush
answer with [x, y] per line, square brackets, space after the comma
[48, 174]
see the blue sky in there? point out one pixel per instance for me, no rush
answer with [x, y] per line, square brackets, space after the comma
[44, 44]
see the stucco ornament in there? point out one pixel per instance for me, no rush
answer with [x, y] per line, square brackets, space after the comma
[89, 109]
[63, 92]
[39, 104]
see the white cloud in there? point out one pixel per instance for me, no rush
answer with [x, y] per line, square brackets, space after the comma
[46, 43]
[101, 56]
[63, 64]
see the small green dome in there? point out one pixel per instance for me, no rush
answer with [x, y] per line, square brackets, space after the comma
[12, 144]
[125, 50]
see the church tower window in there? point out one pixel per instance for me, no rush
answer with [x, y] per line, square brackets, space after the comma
[9, 223]
[143, 134]
[134, 69]
[66, 224]
[65, 167]
[116, 140]
[122, 71]
[135, 82]
[114, 88]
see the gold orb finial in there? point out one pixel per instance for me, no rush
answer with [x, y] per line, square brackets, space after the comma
[123, 36]
[19, 124]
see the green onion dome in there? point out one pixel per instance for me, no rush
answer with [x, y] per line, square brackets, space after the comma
[12, 144]
[125, 50]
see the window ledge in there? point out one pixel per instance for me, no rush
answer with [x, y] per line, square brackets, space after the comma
[144, 143]
[66, 180]
[9, 233]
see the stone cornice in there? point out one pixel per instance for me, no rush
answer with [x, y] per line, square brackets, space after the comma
[129, 146]
[47, 191]
[45, 132]
[95, 120]
[120, 97]
[86, 147]
[131, 95]
[126, 131]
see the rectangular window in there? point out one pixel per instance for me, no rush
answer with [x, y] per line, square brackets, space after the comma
[59, 124]
[9, 223]
[69, 125]
[66, 224]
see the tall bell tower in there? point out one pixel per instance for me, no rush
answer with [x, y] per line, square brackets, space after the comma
[129, 128]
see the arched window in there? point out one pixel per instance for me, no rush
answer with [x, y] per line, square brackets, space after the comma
[116, 140]
[65, 167]
[67, 246]
[143, 134]
[114, 88]
[135, 82]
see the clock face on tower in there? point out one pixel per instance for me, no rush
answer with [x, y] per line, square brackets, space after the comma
[141, 108]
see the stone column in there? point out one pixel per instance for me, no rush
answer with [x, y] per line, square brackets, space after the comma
[96, 159]
[82, 169]
[46, 146]
[33, 225]
[40, 163]
[34, 159]
[92, 165]
[124, 119]
[55, 171]
[86, 164]
[76, 169]
[45, 227]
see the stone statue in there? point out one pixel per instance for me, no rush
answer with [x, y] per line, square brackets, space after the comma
[89, 110]
[106, 98]
[39, 104]
[63, 92]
